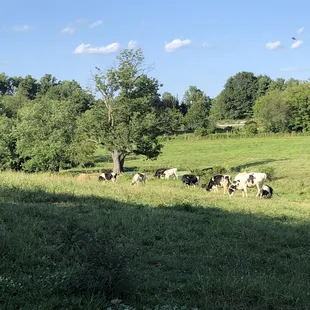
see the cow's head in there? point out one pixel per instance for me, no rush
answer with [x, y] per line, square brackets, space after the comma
[210, 185]
[232, 188]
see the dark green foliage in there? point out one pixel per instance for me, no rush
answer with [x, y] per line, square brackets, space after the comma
[238, 97]
[198, 108]
[46, 135]
[251, 127]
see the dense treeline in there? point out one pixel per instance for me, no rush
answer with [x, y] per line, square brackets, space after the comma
[46, 124]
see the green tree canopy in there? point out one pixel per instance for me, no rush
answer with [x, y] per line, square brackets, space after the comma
[238, 96]
[124, 120]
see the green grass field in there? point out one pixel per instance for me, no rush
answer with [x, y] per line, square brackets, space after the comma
[78, 245]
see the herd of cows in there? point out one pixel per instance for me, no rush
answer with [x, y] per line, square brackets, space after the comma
[241, 181]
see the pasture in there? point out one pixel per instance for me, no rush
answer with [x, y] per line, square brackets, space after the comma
[78, 245]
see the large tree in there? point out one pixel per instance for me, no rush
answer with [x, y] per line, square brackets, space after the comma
[124, 120]
[46, 135]
[198, 108]
[238, 96]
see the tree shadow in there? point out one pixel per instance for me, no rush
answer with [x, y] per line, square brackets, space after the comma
[102, 159]
[95, 248]
[239, 168]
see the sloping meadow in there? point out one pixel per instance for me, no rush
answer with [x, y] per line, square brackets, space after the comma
[80, 245]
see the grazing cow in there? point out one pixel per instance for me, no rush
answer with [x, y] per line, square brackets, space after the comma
[159, 172]
[108, 177]
[171, 173]
[138, 178]
[267, 191]
[190, 179]
[244, 180]
[219, 180]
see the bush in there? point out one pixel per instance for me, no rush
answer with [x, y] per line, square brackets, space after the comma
[251, 128]
[200, 132]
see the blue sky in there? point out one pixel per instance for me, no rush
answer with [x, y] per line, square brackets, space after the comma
[209, 40]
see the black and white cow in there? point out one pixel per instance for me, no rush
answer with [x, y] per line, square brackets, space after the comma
[138, 178]
[108, 177]
[267, 191]
[160, 172]
[190, 179]
[219, 180]
[244, 180]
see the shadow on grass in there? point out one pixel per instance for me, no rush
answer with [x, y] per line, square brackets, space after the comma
[103, 159]
[78, 252]
[238, 168]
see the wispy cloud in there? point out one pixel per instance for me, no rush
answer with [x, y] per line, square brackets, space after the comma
[72, 26]
[206, 44]
[132, 44]
[68, 29]
[101, 50]
[300, 30]
[95, 24]
[297, 44]
[22, 28]
[294, 69]
[273, 45]
[176, 44]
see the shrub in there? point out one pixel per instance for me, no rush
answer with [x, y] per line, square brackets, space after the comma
[200, 132]
[251, 128]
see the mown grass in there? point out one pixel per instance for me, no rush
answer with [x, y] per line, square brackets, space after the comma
[77, 245]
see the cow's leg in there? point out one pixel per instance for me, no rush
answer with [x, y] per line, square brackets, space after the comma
[225, 189]
[259, 191]
[244, 192]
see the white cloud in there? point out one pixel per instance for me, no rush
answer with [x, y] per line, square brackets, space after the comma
[132, 44]
[176, 44]
[22, 28]
[68, 30]
[102, 50]
[297, 44]
[300, 30]
[273, 45]
[96, 23]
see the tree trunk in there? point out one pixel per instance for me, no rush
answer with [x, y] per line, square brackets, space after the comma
[122, 160]
[118, 162]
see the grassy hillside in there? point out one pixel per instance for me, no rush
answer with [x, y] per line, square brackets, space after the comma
[77, 245]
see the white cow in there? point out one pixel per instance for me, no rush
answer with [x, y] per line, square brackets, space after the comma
[244, 180]
[138, 178]
[171, 173]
